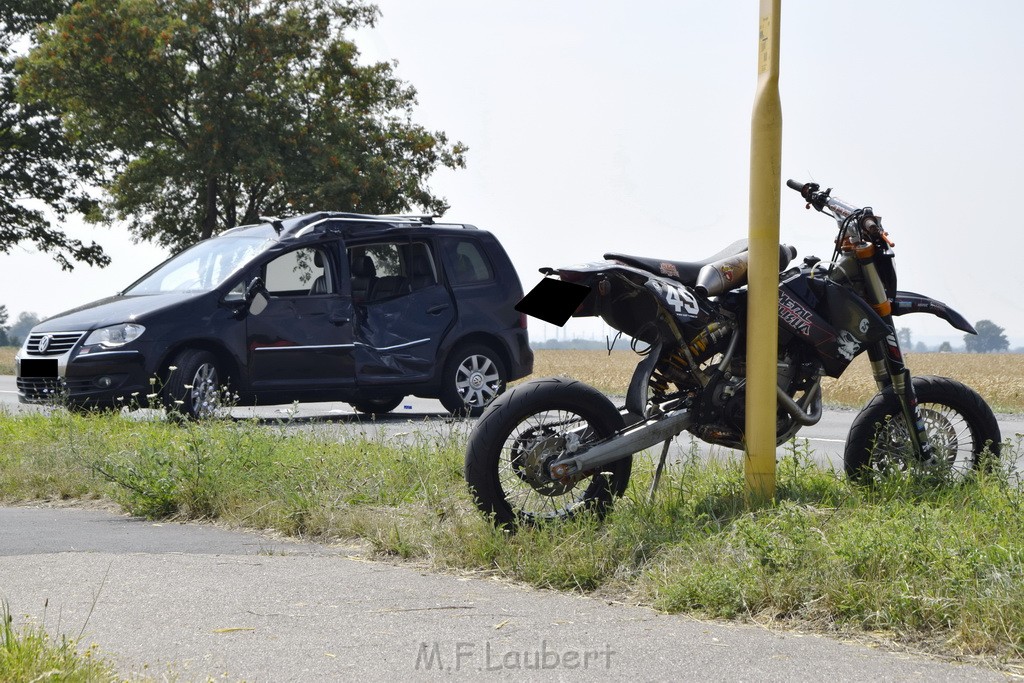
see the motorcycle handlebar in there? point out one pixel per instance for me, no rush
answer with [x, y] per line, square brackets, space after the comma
[820, 200]
[810, 193]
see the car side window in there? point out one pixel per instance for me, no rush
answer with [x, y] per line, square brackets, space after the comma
[390, 269]
[471, 265]
[302, 272]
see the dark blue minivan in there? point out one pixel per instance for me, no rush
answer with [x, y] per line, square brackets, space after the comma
[322, 307]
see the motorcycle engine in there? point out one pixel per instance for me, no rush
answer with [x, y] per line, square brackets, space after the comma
[724, 417]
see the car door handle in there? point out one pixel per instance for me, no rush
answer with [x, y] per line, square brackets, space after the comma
[339, 320]
[435, 310]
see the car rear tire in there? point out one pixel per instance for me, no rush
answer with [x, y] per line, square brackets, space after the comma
[377, 406]
[194, 385]
[474, 375]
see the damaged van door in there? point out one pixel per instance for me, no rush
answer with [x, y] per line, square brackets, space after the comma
[303, 336]
[403, 311]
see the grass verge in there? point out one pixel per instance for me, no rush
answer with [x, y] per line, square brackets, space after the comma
[936, 568]
[29, 654]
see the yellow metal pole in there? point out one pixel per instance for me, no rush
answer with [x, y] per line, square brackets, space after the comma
[762, 314]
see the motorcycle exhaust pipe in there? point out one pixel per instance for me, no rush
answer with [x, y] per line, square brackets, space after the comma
[656, 430]
[644, 435]
[797, 411]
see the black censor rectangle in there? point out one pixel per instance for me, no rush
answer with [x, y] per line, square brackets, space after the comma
[553, 301]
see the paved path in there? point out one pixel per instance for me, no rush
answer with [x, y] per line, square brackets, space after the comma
[200, 602]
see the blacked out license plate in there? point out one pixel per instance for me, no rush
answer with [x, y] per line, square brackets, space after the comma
[553, 301]
[39, 367]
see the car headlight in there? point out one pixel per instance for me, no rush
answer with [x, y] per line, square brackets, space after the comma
[115, 335]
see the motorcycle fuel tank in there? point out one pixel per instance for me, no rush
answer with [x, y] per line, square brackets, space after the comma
[829, 318]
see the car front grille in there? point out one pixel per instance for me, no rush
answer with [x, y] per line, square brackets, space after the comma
[55, 344]
[38, 389]
[44, 388]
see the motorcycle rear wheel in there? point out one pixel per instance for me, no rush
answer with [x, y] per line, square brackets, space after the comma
[959, 422]
[521, 432]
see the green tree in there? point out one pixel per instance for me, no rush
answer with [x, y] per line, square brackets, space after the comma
[41, 170]
[22, 326]
[903, 334]
[220, 111]
[990, 338]
[4, 341]
[945, 347]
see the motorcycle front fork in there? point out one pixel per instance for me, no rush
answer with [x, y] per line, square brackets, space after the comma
[886, 357]
[889, 371]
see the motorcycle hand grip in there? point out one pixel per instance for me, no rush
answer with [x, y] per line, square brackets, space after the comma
[794, 185]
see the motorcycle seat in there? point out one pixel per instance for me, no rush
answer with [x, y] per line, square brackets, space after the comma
[680, 271]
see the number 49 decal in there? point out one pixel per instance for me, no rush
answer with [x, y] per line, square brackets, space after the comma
[680, 299]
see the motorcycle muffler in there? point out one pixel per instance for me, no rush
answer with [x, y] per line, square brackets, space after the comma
[636, 438]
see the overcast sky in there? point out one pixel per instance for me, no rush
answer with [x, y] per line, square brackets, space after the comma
[612, 126]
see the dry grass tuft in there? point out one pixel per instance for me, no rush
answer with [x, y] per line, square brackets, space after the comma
[7, 359]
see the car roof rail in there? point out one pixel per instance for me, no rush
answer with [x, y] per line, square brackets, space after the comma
[298, 226]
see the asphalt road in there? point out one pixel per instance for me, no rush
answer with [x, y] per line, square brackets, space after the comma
[825, 440]
[196, 602]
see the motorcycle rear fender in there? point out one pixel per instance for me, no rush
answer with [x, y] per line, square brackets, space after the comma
[554, 301]
[909, 302]
[570, 293]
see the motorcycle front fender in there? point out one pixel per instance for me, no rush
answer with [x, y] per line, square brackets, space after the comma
[909, 302]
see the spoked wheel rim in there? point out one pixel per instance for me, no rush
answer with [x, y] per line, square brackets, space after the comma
[524, 458]
[949, 433]
[205, 392]
[477, 381]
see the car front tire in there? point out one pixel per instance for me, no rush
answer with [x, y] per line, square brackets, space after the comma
[194, 385]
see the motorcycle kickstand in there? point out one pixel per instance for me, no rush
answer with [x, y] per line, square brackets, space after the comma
[658, 471]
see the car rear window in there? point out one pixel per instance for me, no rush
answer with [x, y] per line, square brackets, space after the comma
[471, 264]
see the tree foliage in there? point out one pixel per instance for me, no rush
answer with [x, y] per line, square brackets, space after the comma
[220, 111]
[4, 341]
[40, 168]
[990, 338]
[17, 332]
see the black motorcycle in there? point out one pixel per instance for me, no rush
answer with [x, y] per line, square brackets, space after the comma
[551, 447]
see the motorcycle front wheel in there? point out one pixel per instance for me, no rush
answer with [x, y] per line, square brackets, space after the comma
[959, 423]
[522, 432]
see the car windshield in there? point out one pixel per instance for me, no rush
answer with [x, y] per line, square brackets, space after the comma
[202, 267]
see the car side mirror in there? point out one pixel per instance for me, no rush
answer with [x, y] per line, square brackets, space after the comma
[255, 296]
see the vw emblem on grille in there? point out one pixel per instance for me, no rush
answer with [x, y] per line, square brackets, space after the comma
[44, 343]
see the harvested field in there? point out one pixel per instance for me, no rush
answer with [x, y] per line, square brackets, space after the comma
[999, 378]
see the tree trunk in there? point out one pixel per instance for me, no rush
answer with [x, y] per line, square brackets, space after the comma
[210, 220]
